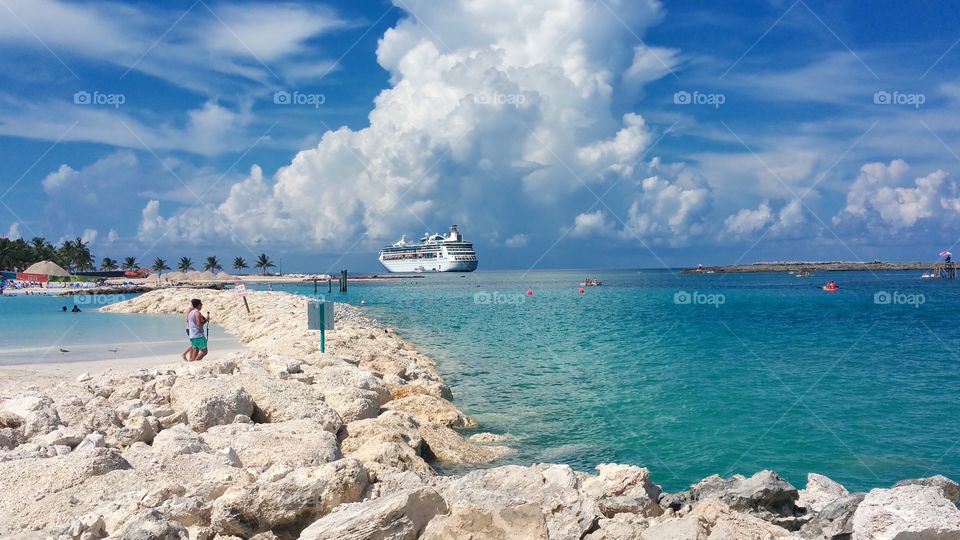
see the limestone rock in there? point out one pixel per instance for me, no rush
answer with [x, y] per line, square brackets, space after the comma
[493, 498]
[430, 410]
[400, 388]
[298, 498]
[296, 443]
[179, 440]
[210, 402]
[446, 444]
[950, 489]
[33, 414]
[620, 527]
[151, 525]
[914, 512]
[834, 521]
[623, 489]
[91, 442]
[714, 520]
[279, 401]
[399, 516]
[63, 435]
[517, 522]
[391, 440]
[820, 492]
[765, 490]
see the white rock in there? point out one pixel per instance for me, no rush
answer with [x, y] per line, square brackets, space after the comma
[229, 456]
[713, 520]
[90, 442]
[430, 410]
[820, 492]
[211, 401]
[623, 489]
[911, 512]
[296, 443]
[399, 516]
[83, 377]
[494, 495]
[303, 495]
[63, 435]
[37, 414]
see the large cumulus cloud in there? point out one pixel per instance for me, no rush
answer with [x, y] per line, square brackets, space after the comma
[496, 112]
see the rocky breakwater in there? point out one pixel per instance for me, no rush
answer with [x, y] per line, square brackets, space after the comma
[281, 441]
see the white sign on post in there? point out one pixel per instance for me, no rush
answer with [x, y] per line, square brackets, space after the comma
[240, 289]
[319, 315]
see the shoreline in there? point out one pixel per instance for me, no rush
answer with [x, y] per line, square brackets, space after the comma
[811, 266]
[281, 441]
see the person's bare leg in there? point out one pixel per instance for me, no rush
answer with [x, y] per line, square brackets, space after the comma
[203, 352]
[186, 353]
[193, 354]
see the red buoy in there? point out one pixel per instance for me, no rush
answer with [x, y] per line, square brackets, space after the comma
[529, 292]
[580, 290]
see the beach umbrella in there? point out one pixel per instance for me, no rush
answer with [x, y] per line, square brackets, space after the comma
[944, 253]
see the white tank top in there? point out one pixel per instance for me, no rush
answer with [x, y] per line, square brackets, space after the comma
[193, 329]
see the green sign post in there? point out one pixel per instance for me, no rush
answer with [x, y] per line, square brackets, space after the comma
[320, 317]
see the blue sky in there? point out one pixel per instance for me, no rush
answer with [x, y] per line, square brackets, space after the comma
[561, 134]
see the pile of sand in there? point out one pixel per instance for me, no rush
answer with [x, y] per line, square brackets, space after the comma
[47, 267]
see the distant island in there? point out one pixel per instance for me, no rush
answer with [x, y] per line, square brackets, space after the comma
[811, 266]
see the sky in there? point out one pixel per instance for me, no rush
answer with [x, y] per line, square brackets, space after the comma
[555, 133]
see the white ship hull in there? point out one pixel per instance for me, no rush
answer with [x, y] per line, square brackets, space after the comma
[434, 253]
[416, 266]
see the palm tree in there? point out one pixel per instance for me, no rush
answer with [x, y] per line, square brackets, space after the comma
[240, 264]
[108, 264]
[212, 265]
[185, 264]
[82, 258]
[264, 262]
[159, 265]
[130, 263]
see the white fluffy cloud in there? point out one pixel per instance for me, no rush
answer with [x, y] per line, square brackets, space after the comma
[668, 212]
[13, 233]
[590, 224]
[516, 241]
[766, 219]
[884, 199]
[494, 112]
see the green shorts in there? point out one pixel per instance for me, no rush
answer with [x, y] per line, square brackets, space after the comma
[198, 342]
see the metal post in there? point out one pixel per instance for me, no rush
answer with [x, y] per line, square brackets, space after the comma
[323, 324]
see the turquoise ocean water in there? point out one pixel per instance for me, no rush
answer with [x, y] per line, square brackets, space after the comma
[33, 329]
[697, 374]
[689, 375]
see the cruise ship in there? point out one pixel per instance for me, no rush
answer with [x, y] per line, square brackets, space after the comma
[434, 253]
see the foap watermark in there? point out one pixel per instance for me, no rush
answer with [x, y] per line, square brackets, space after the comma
[496, 98]
[282, 97]
[97, 299]
[697, 298]
[485, 298]
[915, 100]
[897, 298]
[83, 97]
[699, 98]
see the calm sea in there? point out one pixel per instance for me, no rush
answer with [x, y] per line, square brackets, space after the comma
[697, 374]
[686, 374]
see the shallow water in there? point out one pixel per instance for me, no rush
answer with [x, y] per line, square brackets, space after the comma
[33, 329]
[780, 375]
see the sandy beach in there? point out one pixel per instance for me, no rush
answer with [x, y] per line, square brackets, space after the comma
[280, 441]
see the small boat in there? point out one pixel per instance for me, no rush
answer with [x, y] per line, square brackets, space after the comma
[928, 275]
[803, 273]
[591, 282]
[831, 287]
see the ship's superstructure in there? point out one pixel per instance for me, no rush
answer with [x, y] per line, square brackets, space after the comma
[434, 253]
